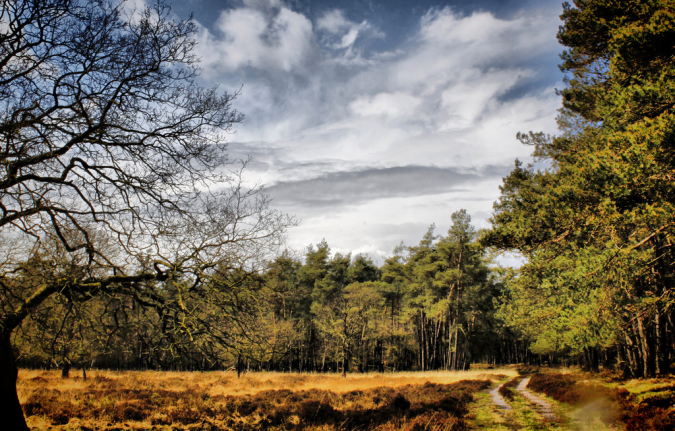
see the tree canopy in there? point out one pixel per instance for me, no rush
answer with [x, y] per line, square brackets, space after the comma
[596, 225]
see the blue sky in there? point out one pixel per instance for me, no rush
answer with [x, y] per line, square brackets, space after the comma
[371, 120]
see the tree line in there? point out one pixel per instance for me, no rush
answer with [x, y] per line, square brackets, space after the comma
[440, 305]
[430, 306]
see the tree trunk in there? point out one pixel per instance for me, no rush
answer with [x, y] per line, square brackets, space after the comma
[623, 361]
[595, 360]
[10, 409]
[648, 359]
[422, 341]
[65, 370]
[448, 364]
[661, 343]
[455, 352]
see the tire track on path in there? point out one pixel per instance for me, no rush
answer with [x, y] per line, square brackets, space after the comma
[498, 399]
[542, 406]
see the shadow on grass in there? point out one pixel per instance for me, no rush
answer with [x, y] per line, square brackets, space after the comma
[410, 407]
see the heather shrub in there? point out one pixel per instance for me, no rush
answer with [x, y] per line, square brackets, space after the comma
[185, 401]
[506, 390]
[436, 421]
[653, 414]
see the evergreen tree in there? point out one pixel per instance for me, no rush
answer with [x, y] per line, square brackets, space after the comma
[597, 224]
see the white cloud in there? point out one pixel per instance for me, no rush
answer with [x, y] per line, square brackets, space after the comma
[474, 94]
[449, 46]
[446, 28]
[376, 227]
[454, 96]
[334, 21]
[342, 34]
[262, 34]
[393, 105]
[349, 38]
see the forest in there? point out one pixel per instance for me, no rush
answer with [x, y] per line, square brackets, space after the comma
[114, 255]
[432, 306]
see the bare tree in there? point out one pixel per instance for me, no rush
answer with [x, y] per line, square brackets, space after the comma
[111, 149]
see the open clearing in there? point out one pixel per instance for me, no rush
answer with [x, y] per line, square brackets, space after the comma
[149, 400]
[219, 400]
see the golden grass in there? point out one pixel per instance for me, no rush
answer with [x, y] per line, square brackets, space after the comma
[182, 400]
[226, 382]
[256, 382]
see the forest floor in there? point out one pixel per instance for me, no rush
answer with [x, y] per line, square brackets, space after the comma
[489, 399]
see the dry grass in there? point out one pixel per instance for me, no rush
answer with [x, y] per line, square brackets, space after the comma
[220, 400]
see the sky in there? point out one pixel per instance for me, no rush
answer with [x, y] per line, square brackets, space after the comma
[370, 120]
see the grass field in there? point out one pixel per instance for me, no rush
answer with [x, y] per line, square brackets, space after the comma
[110, 400]
[149, 400]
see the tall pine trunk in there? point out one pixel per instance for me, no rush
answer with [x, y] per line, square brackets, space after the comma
[646, 349]
[661, 343]
[422, 342]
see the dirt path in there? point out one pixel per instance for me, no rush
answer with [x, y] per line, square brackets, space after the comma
[498, 400]
[543, 407]
[527, 411]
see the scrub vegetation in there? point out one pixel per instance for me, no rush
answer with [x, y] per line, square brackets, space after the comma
[437, 400]
[220, 400]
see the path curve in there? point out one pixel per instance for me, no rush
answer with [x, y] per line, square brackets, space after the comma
[543, 407]
[498, 399]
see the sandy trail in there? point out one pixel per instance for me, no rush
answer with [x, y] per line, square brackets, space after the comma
[498, 400]
[543, 407]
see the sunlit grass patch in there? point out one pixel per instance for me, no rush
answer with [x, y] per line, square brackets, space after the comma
[484, 414]
[220, 400]
[653, 404]
[646, 387]
[525, 417]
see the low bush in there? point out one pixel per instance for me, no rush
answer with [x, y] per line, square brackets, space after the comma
[654, 413]
[560, 387]
[506, 390]
[122, 402]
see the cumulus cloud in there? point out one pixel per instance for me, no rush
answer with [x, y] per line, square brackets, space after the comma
[260, 34]
[448, 28]
[368, 133]
[341, 34]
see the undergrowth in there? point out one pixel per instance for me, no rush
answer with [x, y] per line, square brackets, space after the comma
[107, 404]
[506, 390]
[651, 413]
